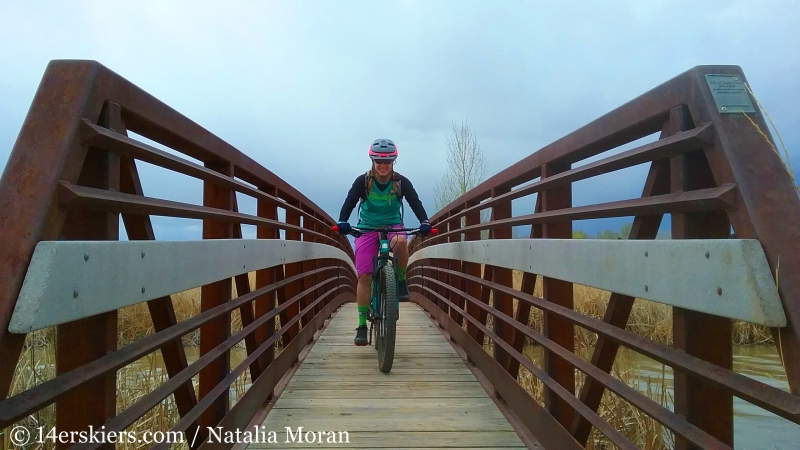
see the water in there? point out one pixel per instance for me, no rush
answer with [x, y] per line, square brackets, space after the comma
[754, 428]
[153, 366]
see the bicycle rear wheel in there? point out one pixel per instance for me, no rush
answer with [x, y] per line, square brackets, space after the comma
[387, 321]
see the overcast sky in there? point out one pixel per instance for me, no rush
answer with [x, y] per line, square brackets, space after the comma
[304, 87]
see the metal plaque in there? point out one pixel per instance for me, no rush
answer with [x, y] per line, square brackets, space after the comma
[729, 94]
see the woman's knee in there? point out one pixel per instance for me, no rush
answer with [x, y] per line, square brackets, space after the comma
[399, 241]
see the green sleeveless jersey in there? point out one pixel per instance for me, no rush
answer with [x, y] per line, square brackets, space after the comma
[381, 208]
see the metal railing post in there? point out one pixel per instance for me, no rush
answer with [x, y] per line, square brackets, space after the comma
[264, 277]
[218, 330]
[502, 301]
[702, 335]
[528, 285]
[456, 266]
[558, 292]
[474, 269]
[291, 270]
[82, 341]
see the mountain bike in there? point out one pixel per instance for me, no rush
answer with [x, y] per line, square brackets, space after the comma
[384, 307]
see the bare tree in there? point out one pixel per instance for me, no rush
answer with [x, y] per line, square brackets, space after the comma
[466, 166]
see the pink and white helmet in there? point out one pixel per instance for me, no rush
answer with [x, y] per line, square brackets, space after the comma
[383, 149]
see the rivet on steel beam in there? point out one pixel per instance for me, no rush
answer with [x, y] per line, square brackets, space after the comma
[645, 253]
[142, 289]
[142, 254]
[719, 291]
[708, 255]
[75, 293]
[85, 256]
[646, 288]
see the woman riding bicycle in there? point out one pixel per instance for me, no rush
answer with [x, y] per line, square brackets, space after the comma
[381, 191]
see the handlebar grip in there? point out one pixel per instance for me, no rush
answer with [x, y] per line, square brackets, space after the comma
[335, 228]
[434, 231]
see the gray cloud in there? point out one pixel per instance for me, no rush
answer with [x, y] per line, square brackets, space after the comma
[303, 87]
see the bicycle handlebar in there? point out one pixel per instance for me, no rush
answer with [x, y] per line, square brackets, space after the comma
[356, 232]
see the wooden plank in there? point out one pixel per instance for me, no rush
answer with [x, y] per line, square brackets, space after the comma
[401, 405]
[449, 390]
[430, 440]
[401, 325]
[361, 352]
[405, 337]
[377, 385]
[369, 371]
[368, 379]
[335, 346]
[417, 361]
[361, 418]
[430, 399]
[422, 361]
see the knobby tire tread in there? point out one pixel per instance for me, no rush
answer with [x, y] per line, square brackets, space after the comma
[389, 309]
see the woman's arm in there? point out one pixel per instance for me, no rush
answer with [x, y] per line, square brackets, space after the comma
[353, 195]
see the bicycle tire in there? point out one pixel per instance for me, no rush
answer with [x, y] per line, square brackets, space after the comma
[387, 324]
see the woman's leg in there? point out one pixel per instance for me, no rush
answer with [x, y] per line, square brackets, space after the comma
[363, 288]
[366, 248]
[400, 250]
[399, 247]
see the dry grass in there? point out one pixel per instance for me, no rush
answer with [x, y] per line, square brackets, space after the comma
[134, 321]
[644, 431]
[785, 158]
[37, 364]
[134, 381]
[649, 319]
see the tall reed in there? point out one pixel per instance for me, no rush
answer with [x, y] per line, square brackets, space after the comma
[134, 381]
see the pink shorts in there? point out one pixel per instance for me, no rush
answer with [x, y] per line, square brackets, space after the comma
[367, 248]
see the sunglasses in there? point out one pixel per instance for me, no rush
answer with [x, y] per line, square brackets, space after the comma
[383, 161]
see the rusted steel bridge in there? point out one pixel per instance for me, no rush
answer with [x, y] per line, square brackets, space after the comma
[713, 171]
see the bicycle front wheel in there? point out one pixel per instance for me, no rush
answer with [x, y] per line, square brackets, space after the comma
[387, 321]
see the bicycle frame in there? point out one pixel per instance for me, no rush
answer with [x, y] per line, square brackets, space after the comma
[378, 262]
[381, 260]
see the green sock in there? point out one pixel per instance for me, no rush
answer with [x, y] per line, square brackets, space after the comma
[401, 274]
[362, 315]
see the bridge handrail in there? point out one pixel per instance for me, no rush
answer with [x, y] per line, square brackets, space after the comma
[56, 290]
[70, 177]
[713, 169]
[736, 283]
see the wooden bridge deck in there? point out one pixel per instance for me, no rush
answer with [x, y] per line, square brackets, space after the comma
[429, 400]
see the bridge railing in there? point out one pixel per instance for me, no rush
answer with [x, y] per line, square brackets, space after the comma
[713, 169]
[71, 175]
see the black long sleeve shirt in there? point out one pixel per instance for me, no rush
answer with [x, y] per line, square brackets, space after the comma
[357, 192]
